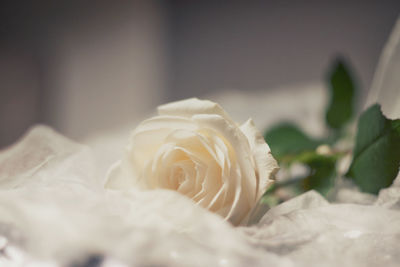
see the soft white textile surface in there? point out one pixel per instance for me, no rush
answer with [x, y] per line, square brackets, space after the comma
[53, 210]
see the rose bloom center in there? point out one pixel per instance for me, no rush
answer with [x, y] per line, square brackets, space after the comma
[194, 163]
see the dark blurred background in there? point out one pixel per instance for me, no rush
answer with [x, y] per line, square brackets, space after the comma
[89, 66]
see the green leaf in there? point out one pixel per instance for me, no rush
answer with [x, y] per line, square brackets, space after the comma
[321, 177]
[342, 90]
[287, 139]
[376, 156]
[323, 173]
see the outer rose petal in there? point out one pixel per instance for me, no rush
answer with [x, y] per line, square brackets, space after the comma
[192, 106]
[265, 163]
[238, 141]
[150, 134]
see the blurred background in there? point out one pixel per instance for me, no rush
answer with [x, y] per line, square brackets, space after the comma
[89, 66]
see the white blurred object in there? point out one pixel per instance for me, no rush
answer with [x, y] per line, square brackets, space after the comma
[385, 87]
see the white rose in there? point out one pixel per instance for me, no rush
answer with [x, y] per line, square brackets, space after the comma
[193, 147]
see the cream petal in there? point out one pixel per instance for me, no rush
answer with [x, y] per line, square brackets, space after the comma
[193, 142]
[200, 178]
[150, 135]
[165, 122]
[217, 200]
[201, 170]
[221, 196]
[181, 176]
[266, 165]
[241, 211]
[224, 156]
[236, 207]
[159, 170]
[189, 181]
[239, 144]
[192, 106]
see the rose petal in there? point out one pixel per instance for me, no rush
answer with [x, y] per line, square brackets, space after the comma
[150, 135]
[239, 144]
[192, 106]
[238, 207]
[265, 163]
